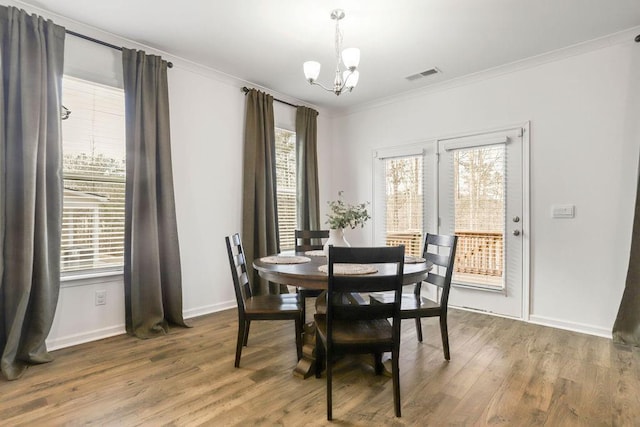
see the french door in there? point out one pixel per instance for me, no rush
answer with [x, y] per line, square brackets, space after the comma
[480, 199]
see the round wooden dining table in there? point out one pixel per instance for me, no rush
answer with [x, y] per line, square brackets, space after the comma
[308, 275]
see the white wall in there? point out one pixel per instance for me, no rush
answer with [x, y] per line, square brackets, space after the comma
[207, 133]
[584, 112]
[584, 109]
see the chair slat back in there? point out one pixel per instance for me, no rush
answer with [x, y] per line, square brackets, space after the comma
[238, 265]
[441, 251]
[310, 240]
[339, 286]
[441, 260]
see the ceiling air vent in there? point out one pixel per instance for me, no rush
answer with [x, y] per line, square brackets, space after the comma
[422, 74]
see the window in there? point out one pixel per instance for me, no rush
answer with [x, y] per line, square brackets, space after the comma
[404, 203]
[286, 187]
[94, 177]
[405, 181]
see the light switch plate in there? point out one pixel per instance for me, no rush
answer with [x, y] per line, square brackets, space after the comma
[563, 211]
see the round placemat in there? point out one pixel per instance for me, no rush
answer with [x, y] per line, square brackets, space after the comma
[349, 269]
[410, 259]
[285, 259]
[318, 252]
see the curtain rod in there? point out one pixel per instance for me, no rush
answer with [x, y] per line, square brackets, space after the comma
[112, 46]
[246, 91]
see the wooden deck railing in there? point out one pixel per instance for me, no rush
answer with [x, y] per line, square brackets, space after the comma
[479, 253]
[412, 241]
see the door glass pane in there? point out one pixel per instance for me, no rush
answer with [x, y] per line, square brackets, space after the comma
[479, 206]
[404, 203]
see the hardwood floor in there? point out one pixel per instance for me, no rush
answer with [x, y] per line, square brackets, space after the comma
[502, 372]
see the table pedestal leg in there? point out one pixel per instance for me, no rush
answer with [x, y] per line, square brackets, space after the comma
[306, 366]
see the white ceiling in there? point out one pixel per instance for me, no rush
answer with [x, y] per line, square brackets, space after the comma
[266, 41]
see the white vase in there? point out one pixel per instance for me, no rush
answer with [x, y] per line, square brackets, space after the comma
[336, 238]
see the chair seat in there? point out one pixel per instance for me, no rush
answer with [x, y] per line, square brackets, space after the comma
[410, 303]
[286, 304]
[309, 293]
[360, 332]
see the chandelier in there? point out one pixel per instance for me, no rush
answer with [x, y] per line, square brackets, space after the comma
[344, 80]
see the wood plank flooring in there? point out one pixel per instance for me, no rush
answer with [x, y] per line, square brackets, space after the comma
[502, 373]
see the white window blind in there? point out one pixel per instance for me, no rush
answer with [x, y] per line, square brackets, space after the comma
[286, 187]
[404, 203]
[475, 210]
[94, 177]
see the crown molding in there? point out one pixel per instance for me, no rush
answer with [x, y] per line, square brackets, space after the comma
[178, 62]
[618, 38]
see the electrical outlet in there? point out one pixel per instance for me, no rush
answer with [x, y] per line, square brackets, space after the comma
[101, 297]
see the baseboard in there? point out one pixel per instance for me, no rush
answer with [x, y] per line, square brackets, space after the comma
[85, 337]
[473, 310]
[208, 309]
[553, 323]
[571, 326]
[98, 334]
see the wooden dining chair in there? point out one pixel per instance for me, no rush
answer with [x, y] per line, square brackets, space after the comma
[349, 327]
[258, 307]
[309, 240]
[440, 250]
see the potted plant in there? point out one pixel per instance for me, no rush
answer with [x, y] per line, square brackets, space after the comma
[342, 215]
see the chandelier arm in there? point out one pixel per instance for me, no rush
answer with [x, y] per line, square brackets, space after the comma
[322, 86]
[336, 89]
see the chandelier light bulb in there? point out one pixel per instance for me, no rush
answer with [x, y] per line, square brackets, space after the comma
[311, 70]
[350, 78]
[351, 57]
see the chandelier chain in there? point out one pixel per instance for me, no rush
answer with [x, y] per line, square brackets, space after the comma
[338, 44]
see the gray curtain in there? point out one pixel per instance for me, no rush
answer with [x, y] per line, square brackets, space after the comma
[259, 209]
[31, 56]
[626, 329]
[152, 271]
[308, 206]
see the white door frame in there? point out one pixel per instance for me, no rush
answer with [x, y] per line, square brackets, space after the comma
[526, 224]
